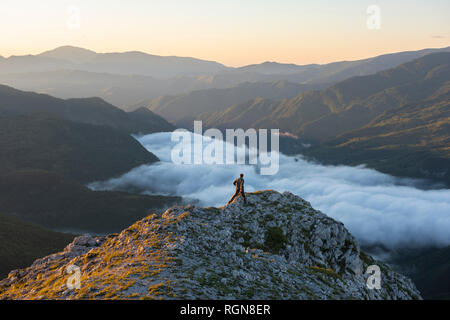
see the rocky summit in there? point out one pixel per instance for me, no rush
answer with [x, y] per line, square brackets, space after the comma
[275, 247]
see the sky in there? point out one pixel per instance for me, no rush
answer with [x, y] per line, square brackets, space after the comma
[233, 32]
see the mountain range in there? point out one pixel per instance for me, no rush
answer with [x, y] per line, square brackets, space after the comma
[184, 108]
[338, 71]
[125, 79]
[94, 111]
[372, 118]
[133, 62]
[313, 115]
[45, 162]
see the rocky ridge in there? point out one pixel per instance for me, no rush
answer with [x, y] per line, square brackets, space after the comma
[276, 247]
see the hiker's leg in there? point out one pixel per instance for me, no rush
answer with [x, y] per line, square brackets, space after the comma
[233, 197]
[243, 196]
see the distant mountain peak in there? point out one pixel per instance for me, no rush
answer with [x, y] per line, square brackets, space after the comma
[273, 67]
[70, 53]
[274, 63]
[69, 48]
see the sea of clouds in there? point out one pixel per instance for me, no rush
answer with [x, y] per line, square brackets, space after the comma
[375, 207]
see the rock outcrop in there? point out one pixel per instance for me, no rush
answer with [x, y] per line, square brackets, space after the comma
[276, 247]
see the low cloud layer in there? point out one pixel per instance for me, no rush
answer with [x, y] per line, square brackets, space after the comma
[372, 205]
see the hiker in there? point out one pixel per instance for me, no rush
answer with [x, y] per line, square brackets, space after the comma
[239, 183]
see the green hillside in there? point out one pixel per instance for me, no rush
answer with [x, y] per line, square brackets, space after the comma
[348, 105]
[88, 110]
[184, 108]
[50, 200]
[429, 268]
[81, 152]
[21, 243]
[44, 162]
[396, 121]
[412, 140]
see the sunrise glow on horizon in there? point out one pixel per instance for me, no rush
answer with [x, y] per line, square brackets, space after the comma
[231, 32]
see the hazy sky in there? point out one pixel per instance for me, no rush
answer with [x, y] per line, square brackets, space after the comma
[234, 32]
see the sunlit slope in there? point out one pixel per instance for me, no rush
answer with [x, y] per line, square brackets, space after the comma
[278, 247]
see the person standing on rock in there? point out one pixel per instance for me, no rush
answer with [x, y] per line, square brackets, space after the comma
[239, 183]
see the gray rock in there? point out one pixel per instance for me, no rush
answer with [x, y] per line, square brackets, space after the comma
[277, 247]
